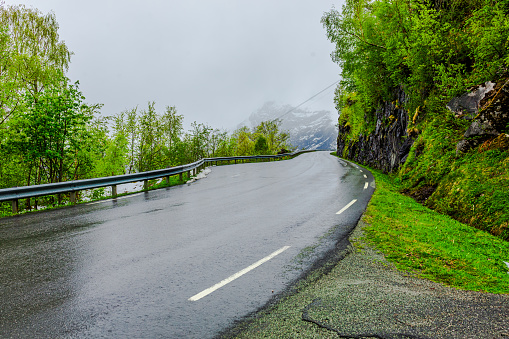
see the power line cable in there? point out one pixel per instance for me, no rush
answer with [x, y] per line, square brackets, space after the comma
[293, 109]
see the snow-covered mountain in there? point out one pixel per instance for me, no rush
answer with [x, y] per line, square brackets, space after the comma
[308, 129]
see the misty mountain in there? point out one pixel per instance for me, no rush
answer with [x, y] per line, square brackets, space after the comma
[308, 129]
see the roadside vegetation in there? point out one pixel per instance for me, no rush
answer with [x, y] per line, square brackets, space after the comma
[434, 51]
[49, 133]
[431, 245]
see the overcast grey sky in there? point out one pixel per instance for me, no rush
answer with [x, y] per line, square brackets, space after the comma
[217, 61]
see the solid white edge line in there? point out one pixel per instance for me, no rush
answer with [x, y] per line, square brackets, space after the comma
[366, 185]
[236, 275]
[347, 206]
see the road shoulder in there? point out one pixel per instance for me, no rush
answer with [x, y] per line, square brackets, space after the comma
[365, 296]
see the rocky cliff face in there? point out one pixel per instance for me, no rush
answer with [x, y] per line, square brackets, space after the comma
[388, 146]
[487, 106]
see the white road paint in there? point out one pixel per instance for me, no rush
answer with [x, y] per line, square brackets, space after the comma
[365, 176]
[361, 171]
[237, 275]
[347, 206]
[366, 185]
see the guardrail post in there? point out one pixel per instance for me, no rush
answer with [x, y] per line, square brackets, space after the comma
[145, 184]
[114, 191]
[72, 197]
[15, 206]
[180, 177]
[167, 180]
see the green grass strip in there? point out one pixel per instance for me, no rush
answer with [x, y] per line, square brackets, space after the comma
[432, 245]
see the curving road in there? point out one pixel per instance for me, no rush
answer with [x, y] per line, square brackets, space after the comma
[183, 262]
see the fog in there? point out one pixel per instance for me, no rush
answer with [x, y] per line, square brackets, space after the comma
[216, 61]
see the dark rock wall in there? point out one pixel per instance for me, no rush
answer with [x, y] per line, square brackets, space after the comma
[388, 146]
[490, 118]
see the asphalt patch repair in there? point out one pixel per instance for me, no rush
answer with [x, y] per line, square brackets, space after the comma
[364, 296]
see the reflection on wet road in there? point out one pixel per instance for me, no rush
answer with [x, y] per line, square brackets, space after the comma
[130, 267]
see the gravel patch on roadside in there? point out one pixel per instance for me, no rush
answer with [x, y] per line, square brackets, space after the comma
[364, 296]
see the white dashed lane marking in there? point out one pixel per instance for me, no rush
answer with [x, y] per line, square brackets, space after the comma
[231, 278]
[347, 206]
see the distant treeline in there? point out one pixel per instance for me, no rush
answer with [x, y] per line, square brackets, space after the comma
[48, 133]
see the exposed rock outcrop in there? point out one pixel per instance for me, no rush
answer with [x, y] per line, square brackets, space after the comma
[489, 108]
[388, 146]
[466, 106]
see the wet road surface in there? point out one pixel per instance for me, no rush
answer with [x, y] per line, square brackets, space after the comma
[143, 266]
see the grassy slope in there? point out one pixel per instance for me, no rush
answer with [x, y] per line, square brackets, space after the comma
[432, 245]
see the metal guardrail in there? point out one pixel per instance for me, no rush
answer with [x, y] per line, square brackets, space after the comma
[72, 187]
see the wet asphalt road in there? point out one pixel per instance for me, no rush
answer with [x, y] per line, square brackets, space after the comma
[127, 268]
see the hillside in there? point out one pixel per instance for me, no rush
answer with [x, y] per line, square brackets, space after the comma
[425, 96]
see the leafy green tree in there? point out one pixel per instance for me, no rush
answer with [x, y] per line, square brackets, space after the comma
[276, 138]
[173, 128]
[198, 141]
[151, 140]
[113, 151]
[261, 146]
[245, 146]
[49, 135]
[226, 145]
[34, 58]
[423, 46]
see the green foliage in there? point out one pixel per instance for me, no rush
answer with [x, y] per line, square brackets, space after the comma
[383, 44]
[32, 57]
[469, 187]
[48, 136]
[434, 246]
[261, 146]
[353, 113]
[245, 146]
[266, 138]
[435, 50]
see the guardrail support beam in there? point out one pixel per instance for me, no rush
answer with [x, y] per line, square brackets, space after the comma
[145, 184]
[167, 178]
[72, 197]
[180, 176]
[114, 191]
[15, 206]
